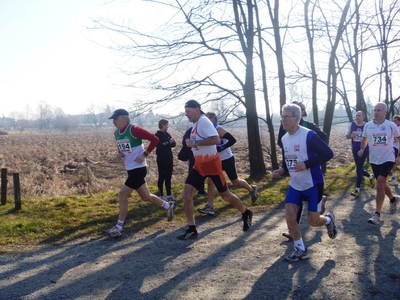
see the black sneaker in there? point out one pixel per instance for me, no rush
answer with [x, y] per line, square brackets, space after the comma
[188, 235]
[247, 217]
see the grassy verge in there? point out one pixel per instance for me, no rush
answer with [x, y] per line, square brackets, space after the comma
[60, 219]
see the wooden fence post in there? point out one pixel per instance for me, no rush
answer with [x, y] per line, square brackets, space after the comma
[3, 186]
[17, 191]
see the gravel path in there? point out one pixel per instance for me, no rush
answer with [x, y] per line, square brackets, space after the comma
[363, 262]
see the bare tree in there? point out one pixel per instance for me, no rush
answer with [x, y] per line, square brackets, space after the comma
[309, 26]
[45, 115]
[206, 34]
[274, 17]
[244, 21]
[388, 29]
[96, 115]
[64, 122]
[332, 71]
[236, 51]
[272, 148]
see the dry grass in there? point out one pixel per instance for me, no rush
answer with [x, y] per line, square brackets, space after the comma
[44, 220]
[81, 163]
[69, 185]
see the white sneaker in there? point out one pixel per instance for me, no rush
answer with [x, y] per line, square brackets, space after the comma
[170, 211]
[254, 194]
[113, 232]
[393, 206]
[393, 178]
[323, 202]
[297, 255]
[164, 198]
[375, 219]
[207, 210]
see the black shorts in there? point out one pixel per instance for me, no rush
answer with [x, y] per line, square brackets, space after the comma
[136, 178]
[196, 180]
[228, 165]
[382, 169]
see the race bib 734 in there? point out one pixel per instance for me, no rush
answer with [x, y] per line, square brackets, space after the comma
[379, 139]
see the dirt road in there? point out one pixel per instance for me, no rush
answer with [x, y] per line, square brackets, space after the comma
[363, 262]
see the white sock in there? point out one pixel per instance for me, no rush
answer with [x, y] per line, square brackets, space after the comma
[299, 244]
[119, 224]
[357, 189]
[165, 205]
[328, 220]
[371, 176]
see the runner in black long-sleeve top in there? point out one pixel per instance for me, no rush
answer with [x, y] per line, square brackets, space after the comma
[165, 160]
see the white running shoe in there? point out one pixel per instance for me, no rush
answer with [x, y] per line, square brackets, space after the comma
[170, 211]
[113, 232]
[207, 209]
[375, 219]
[298, 255]
[393, 206]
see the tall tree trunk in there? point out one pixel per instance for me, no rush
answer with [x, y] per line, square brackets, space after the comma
[360, 100]
[332, 74]
[271, 130]
[256, 159]
[310, 39]
[274, 16]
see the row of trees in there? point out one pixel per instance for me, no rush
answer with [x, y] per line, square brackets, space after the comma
[44, 116]
[321, 52]
[48, 118]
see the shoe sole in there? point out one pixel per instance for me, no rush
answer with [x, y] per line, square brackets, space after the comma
[333, 219]
[170, 212]
[300, 258]
[395, 209]
[323, 208]
[206, 213]
[112, 235]
[187, 236]
[255, 197]
[287, 235]
[249, 224]
[373, 223]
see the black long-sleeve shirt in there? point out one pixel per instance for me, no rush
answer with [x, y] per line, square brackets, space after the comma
[164, 146]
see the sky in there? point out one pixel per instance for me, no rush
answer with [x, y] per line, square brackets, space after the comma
[47, 56]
